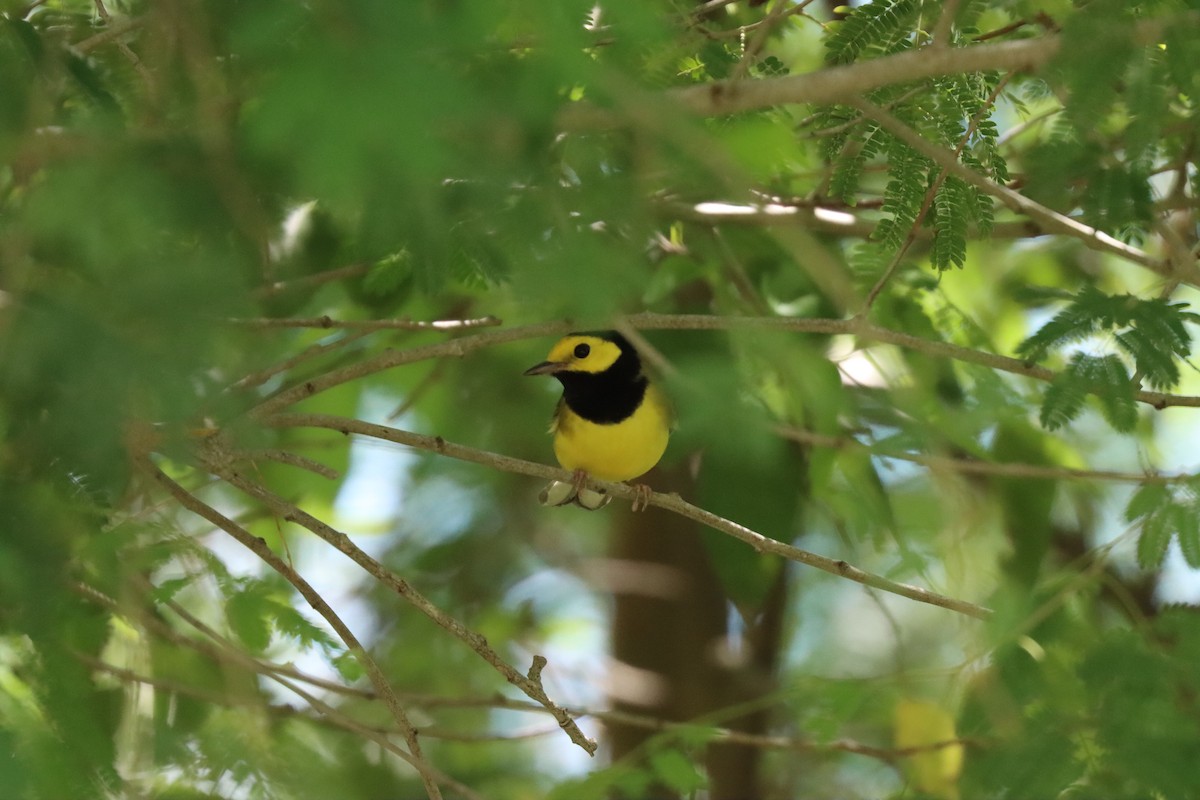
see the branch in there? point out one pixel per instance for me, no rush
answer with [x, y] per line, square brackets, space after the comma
[843, 83]
[869, 331]
[404, 324]
[316, 279]
[221, 464]
[1001, 469]
[840, 222]
[109, 33]
[948, 12]
[260, 548]
[1048, 219]
[395, 358]
[861, 328]
[291, 459]
[669, 502]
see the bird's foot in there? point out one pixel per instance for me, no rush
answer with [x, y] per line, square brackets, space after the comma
[641, 496]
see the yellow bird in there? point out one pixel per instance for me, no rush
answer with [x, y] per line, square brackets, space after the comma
[612, 423]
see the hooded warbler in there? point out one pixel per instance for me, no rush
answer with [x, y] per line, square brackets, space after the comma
[612, 423]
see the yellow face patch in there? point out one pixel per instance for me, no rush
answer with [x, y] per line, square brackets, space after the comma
[583, 353]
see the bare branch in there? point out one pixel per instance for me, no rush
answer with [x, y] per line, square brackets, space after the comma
[110, 33]
[651, 321]
[869, 331]
[316, 279]
[404, 324]
[670, 502]
[395, 358]
[291, 459]
[842, 84]
[221, 465]
[314, 599]
[999, 469]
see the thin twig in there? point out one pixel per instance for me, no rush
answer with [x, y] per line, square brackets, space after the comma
[316, 279]
[839, 84]
[221, 465]
[979, 467]
[291, 459]
[109, 33]
[863, 329]
[370, 324]
[823, 217]
[945, 24]
[318, 603]
[670, 502]
[313, 351]
[394, 358]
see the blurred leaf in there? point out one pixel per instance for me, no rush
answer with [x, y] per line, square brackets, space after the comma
[1155, 536]
[676, 771]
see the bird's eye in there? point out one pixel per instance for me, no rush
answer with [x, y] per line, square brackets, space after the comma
[582, 350]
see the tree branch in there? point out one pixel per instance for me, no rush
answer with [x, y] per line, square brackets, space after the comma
[1049, 220]
[669, 502]
[843, 83]
[259, 547]
[861, 328]
[999, 469]
[404, 324]
[221, 464]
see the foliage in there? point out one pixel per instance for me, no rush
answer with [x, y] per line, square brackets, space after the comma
[223, 225]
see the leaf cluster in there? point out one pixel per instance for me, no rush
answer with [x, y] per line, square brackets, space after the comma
[871, 29]
[1165, 513]
[1152, 333]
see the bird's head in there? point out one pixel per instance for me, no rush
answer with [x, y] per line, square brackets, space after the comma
[587, 353]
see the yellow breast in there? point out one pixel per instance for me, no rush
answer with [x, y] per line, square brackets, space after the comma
[620, 451]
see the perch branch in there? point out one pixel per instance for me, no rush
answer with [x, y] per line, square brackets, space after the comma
[531, 685]
[669, 502]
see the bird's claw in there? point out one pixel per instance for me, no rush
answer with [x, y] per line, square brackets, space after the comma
[641, 496]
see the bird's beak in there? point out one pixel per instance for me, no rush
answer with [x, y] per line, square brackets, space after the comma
[546, 368]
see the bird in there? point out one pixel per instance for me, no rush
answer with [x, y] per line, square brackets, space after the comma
[612, 423]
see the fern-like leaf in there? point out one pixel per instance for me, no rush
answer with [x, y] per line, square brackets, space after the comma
[862, 146]
[1148, 499]
[908, 175]
[871, 26]
[1080, 319]
[1187, 532]
[1066, 394]
[1114, 388]
[952, 208]
[1155, 362]
[1154, 539]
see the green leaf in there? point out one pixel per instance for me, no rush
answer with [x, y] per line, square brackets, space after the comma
[290, 622]
[1077, 321]
[676, 770]
[872, 26]
[167, 590]
[1148, 499]
[1064, 397]
[1154, 539]
[348, 666]
[1187, 529]
[248, 615]
[1115, 391]
[951, 206]
[1153, 360]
